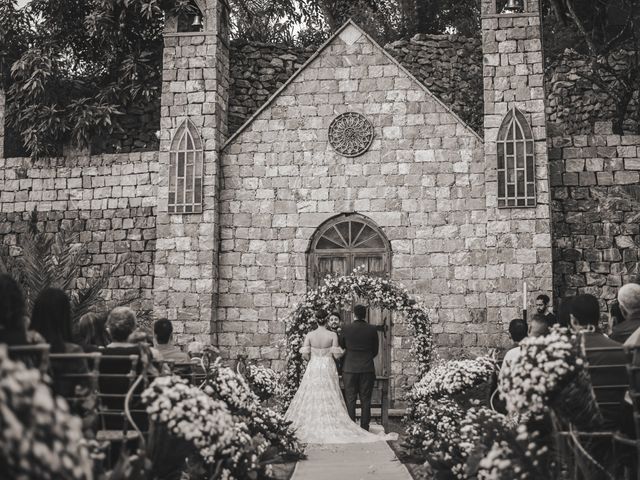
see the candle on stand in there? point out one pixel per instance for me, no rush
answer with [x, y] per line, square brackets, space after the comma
[524, 299]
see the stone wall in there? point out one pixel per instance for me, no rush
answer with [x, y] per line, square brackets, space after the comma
[139, 124]
[595, 206]
[451, 68]
[422, 182]
[519, 239]
[257, 70]
[575, 103]
[108, 200]
[449, 65]
[195, 87]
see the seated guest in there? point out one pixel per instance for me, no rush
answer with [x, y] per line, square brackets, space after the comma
[141, 337]
[195, 350]
[538, 326]
[615, 317]
[33, 337]
[542, 308]
[518, 331]
[585, 315]
[163, 333]
[51, 318]
[91, 332]
[564, 312]
[629, 301]
[121, 322]
[12, 326]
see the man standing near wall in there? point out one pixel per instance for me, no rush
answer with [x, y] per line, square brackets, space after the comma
[543, 308]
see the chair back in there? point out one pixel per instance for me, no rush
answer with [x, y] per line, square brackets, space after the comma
[633, 371]
[117, 374]
[33, 356]
[75, 377]
[191, 371]
[608, 371]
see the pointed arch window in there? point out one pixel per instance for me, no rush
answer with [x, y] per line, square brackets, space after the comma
[516, 162]
[185, 171]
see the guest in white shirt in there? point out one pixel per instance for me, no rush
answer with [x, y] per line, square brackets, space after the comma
[518, 331]
[163, 333]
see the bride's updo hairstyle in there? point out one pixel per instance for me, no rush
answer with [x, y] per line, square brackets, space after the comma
[321, 317]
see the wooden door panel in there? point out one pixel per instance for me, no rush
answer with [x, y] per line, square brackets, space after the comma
[330, 265]
[375, 265]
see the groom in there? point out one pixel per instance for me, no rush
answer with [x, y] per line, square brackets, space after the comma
[360, 340]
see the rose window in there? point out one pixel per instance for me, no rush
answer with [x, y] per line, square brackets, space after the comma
[350, 134]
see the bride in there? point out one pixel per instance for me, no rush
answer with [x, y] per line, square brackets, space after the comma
[318, 412]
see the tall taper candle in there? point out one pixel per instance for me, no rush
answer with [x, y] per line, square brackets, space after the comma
[524, 296]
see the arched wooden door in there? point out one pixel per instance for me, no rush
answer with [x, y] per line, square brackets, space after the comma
[347, 242]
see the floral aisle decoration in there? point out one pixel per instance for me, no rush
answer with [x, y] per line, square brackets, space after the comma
[523, 455]
[439, 428]
[222, 442]
[226, 385]
[338, 292]
[550, 372]
[39, 438]
[264, 381]
[453, 377]
[433, 429]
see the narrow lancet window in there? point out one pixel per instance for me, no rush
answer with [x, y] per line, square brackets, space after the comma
[185, 171]
[516, 162]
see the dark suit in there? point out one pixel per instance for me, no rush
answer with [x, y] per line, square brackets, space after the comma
[623, 330]
[360, 340]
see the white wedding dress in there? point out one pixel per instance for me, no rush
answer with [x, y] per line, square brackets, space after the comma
[318, 412]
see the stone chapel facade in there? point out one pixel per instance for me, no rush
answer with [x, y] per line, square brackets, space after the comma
[352, 162]
[426, 187]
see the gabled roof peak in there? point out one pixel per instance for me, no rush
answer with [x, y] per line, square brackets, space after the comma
[349, 33]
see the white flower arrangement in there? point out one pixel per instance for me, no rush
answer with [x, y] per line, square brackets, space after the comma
[226, 385]
[338, 292]
[545, 364]
[453, 377]
[39, 438]
[264, 381]
[524, 457]
[191, 415]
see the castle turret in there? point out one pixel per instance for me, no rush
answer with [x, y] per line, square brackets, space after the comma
[516, 163]
[195, 84]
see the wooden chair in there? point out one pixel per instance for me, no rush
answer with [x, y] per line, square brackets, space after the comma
[593, 452]
[116, 387]
[78, 385]
[191, 371]
[633, 371]
[34, 356]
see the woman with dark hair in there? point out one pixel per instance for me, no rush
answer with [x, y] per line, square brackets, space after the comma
[12, 325]
[51, 317]
[615, 317]
[91, 332]
[564, 311]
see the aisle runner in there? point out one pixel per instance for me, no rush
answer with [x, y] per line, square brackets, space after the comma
[352, 461]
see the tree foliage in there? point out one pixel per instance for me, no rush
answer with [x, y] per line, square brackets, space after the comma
[76, 66]
[72, 68]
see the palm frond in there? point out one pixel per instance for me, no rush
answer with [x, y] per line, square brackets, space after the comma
[87, 299]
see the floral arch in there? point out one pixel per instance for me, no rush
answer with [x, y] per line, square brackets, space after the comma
[339, 291]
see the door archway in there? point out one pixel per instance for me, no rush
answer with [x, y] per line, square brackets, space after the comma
[340, 245]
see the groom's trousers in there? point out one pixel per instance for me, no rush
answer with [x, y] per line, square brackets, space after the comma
[359, 384]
